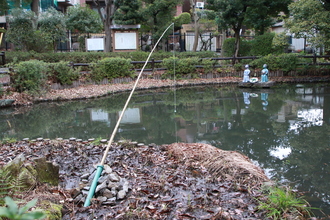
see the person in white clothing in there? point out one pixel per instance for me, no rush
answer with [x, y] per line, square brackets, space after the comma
[246, 77]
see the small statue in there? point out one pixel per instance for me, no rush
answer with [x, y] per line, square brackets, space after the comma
[246, 77]
[264, 71]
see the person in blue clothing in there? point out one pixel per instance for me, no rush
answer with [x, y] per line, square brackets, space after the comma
[246, 77]
[264, 72]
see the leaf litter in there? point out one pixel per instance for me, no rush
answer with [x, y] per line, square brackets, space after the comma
[177, 181]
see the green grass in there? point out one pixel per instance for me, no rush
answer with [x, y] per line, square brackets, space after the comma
[283, 203]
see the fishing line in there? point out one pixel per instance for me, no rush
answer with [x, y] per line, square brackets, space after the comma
[105, 154]
[174, 88]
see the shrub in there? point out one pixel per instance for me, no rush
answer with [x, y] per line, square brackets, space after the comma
[286, 62]
[62, 73]
[110, 68]
[229, 47]
[12, 211]
[208, 65]
[29, 76]
[1, 90]
[262, 45]
[180, 66]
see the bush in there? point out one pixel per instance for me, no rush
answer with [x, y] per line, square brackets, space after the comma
[111, 68]
[180, 66]
[1, 90]
[208, 65]
[286, 62]
[262, 45]
[29, 76]
[12, 211]
[229, 47]
[62, 73]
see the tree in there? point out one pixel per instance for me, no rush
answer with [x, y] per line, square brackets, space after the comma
[83, 19]
[52, 22]
[310, 19]
[106, 13]
[23, 25]
[235, 14]
[28, 32]
[158, 15]
[129, 12]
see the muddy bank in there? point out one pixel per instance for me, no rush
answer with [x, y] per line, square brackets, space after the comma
[177, 181]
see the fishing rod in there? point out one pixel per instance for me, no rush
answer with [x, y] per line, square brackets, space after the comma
[100, 167]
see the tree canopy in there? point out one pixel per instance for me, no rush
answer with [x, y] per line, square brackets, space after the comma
[83, 19]
[310, 19]
[256, 14]
[158, 15]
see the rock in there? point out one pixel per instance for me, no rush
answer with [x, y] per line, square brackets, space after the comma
[126, 186]
[113, 185]
[101, 186]
[102, 179]
[111, 201]
[107, 169]
[107, 193]
[85, 176]
[121, 194]
[14, 166]
[79, 198]
[113, 177]
[48, 172]
[102, 198]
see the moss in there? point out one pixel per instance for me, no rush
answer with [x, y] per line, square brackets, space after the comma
[53, 211]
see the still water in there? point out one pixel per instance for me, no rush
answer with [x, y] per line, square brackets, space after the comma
[285, 130]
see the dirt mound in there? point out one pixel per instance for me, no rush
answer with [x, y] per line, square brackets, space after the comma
[223, 165]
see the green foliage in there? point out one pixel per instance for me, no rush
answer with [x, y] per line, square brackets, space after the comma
[310, 19]
[280, 43]
[12, 211]
[22, 27]
[181, 66]
[52, 22]
[282, 203]
[110, 68]
[229, 47]
[62, 73]
[183, 18]
[28, 32]
[262, 45]
[83, 19]
[5, 185]
[208, 65]
[158, 14]
[129, 12]
[1, 90]
[286, 62]
[29, 76]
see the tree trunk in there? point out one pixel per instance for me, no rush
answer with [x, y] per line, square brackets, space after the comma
[195, 17]
[108, 39]
[109, 10]
[35, 7]
[237, 44]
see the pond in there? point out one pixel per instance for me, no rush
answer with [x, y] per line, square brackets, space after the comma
[285, 130]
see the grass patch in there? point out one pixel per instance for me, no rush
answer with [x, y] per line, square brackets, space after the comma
[283, 203]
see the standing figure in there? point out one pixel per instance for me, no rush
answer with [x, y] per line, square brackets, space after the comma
[246, 77]
[264, 71]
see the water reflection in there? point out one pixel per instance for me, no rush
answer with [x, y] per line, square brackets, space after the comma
[285, 130]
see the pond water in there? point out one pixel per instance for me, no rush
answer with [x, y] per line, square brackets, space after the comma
[285, 130]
